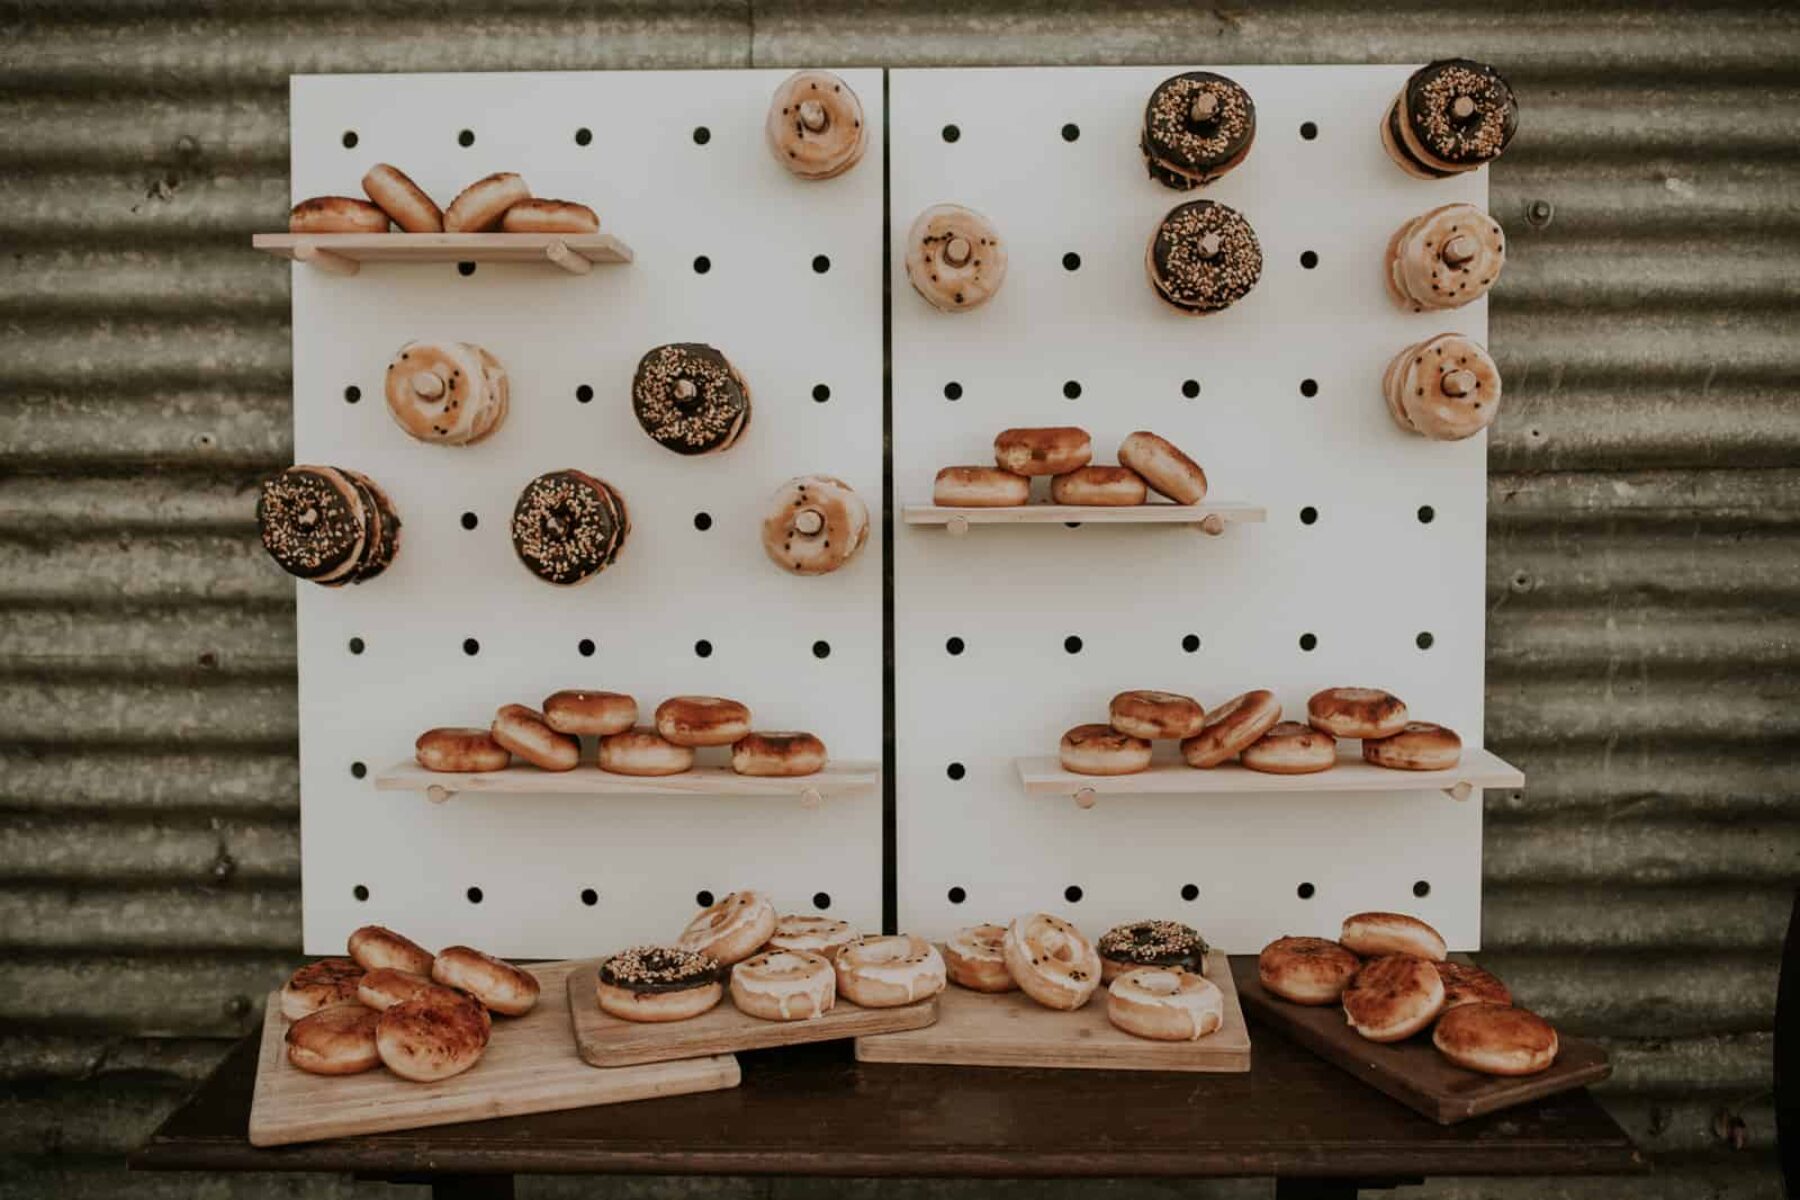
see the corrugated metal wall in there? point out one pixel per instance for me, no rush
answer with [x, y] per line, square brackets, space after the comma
[1644, 562]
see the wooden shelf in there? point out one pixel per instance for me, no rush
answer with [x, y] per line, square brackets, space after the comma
[1478, 769]
[1209, 518]
[837, 779]
[344, 253]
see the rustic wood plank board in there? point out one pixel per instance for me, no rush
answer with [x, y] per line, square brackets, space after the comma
[531, 1066]
[606, 1041]
[445, 247]
[1478, 769]
[1012, 1030]
[1048, 514]
[1413, 1072]
[588, 780]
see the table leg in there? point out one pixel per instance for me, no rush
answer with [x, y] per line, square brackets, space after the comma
[471, 1187]
[1315, 1189]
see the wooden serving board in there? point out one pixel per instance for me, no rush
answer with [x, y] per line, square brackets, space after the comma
[1009, 1029]
[1413, 1072]
[530, 1066]
[607, 1041]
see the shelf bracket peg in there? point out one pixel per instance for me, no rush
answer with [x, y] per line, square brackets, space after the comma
[437, 793]
[328, 261]
[558, 252]
[810, 798]
[957, 526]
[1212, 525]
[1462, 790]
[1084, 798]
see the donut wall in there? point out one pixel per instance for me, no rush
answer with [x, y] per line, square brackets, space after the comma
[784, 277]
[1367, 570]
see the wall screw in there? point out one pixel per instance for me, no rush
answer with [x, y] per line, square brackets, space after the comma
[1539, 212]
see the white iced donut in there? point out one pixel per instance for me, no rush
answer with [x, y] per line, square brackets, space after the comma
[884, 972]
[732, 929]
[975, 958]
[784, 985]
[814, 525]
[1167, 1004]
[814, 935]
[1052, 961]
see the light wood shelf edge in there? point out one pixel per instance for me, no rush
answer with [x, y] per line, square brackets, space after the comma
[837, 779]
[344, 253]
[1208, 518]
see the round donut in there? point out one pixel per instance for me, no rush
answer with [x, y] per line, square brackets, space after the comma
[1166, 470]
[460, 750]
[432, 1036]
[979, 487]
[954, 258]
[375, 946]
[381, 527]
[568, 526]
[1445, 388]
[732, 929]
[1230, 728]
[549, 216]
[497, 984]
[1052, 451]
[1150, 944]
[1306, 970]
[659, 983]
[1051, 961]
[479, 207]
[1453, 115]
[399, 197]
[815, 125]
[814, 525]
[1116, 487]
[815, 935]
[1378, 933]
[1354, 712]
[1165, 1004]
[1156, 715]
[385, 987]
[702, 720]
[337, 214]
[1496, 1039]
[590, 712]
[448, 393]
[328, 983]
[1290, 748]
[522, 730]
[784, 985]
[1419, 746]
[1445, 258]
[975, 958]
[1197, 126]
[690, 399]
[1465, 983]
[778, 754]
[1393, 998]
[1102, 750]
[880, 971]
[314, 523]
[642, 751]
[1203, 257]
[334, 1041]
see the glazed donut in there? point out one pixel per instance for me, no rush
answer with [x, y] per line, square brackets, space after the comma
[1496, 1039]
[1465, 983]
[480, 206]
[568, 526]
[1445, 388]
[1290, 748]
[314, 523]
[399, 197]
[334, 1041]
[1306, 970]
[522, 730]
[784, 985]
[549, 216]
[432, 1036]
[815, 935]
[499, 398]
[376, 946]
[337, 214]
[328, 983]
[1165, 468]
[385, 987]
[814, 525]
[659, 983]
[1116, 487]
[979, 487]
[815, 125]
[1150, 944]
[778, 755]
[1354, 712]
[1379, 933]
[450, 393]
[498, 985]
[1393, 998]
[1453, 115]
[1102, 750]
[690, 399]
[1419, 746]
[1445, 258]
[1203, 257]
[590, 712]
[880, 971]
[643, 751]
[460, 750]
[1053, 451]
[1051, 961]
[1231, 727]
[1156, 715]
[732, 929]
[975, 958]
[954, 258]
[1166, 1004]
[1197, 126]
[702, 720]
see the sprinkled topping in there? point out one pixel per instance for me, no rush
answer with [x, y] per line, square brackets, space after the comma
[568, 526]
[659, 969]
[1196, 125]
[1439, 95]
[689, 398]
[1154, 944]
[311, 520]
[1186, 275]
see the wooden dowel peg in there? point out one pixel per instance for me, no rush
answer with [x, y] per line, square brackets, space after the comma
[1462, 791]
[1459, 250]
[1210, 245]
[559, 253]
[1084, 798]
[328, 261]
[1204, 108]
[809, 521]
[1462, 108]
[428, 385]
[957, 251]
[1458, 383]
[437, 793]
[957, 526]
[812, 115]
[1212, 525]
[810, 798]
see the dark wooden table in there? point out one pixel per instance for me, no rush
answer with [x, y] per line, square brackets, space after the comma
[814, 1110]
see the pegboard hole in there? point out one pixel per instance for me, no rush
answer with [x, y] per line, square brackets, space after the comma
[821, 264]
[1190, 891]
[474, 895]
[466, 138]
[360, 891]
[1072, 894]
[956, 895]
[702, 521]
[1072, 524]
[358, 770]
[1309, 388]
[702, 135]
[821, 900]
[703, 898]
[953, 646]
[1309, 515]
[821, 393]
[1190, 388]
[821, 649]
[955, 770]
[590, 897]
[470, 520]
[1305, 891]
[1072, 644]
[703, 648]
[1072, 389]
[702, 264]
[583, 136]
[1427, 514]
[352, 394]
[953, 390]
[350, 139]
[465, 268]
[583, 394]
[1424, 640]
[1308, 130]
[952, 133]
[356, 645]
[1308, 641]
[1422, 888]
[1071, 132]
[585, 647]
[1071, 261]
[471, 647]
[1191, 642]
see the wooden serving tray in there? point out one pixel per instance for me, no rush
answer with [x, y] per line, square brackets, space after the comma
[1010, 1029]
[607, 1041]
[530, 1066]
[1413, 1072]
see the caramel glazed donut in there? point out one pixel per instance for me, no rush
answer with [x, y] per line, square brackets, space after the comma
[1306, 970]
[1197, 126]
[432, 1036]
[1444, 388]
[569, 526]
[815, 524]
[732, 929]
[447, 393]
[1453, 115]
[979, 487]
[1051, 961]
[815, 125]
[375, 947]
[659, 983]
[778, 755]
[497, 984]
[327, 525]
[1203, 257]
[888, 971]
[1102, 750]
[399, 197]
[522, 731]
[954, 258]
[337, 214]
[335, 1041]
[1231, 728]
[1445, 258]
[690, 399]
[481, 205]
[451, 749]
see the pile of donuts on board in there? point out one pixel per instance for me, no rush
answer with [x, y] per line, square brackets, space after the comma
[393, 1003]
[1391, 974]
[549, 738]
[1147, 463]
[1249, 728]
[500, 201]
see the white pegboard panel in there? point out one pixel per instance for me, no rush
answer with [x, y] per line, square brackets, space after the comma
[1051, 156]
[794, 330]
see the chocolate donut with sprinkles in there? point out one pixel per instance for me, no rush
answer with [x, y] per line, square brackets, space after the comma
[690, 399]
[1150, 944]
[1453, 115]
[1197, 126]
[659, 983]
[568, 526]
[1203, 257]
[328, 525]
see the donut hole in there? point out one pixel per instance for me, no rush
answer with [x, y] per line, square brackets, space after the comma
[583, 394]
[702, 264]
[703, 648]
[350, 139]
[821, 264]
[1305, 891]
[356, 645]
[702, 521]
[821, 649]
[1421, 888]
[1072, 894]
[585, 647]
[1071, 261]
[821, 393]
[953, 646]
[465, 269]
[1072, 389]
[590, 897]
[703, 898]
[471, 647]
[1309, 259]
[1190, 388]
[952, 133]
[1159, 983]
[1308, 641]
[1424, 640]
[358, 770]
[1071, 132]
[956, 895]
[474, 895]
[955, 770]
[702, 135]
[352, 394]
[821, 900]
[1309, 388]
[360, 891]
[953, 390]
[1072, 644]
[466, 138]
[1191, 642]
[1427, 514]
[470, 520]
[583, 136]
[1190, 892]
[1309, 515]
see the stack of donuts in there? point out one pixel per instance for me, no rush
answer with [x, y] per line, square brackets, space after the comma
[327, 525]
[815, 125]
[549, 738]
[1444, 388]
[1453, 115]
[1390, 972]
[568, 526]
[1444, 258]
[447, 393]
[1147, 463]
[689, 398]
[500, 201]
[393, 1003]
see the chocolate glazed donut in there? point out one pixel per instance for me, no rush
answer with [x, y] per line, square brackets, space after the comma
[312, 523]
[1203, 257]
[690, 399]
[1197, 126]
[568, 526]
